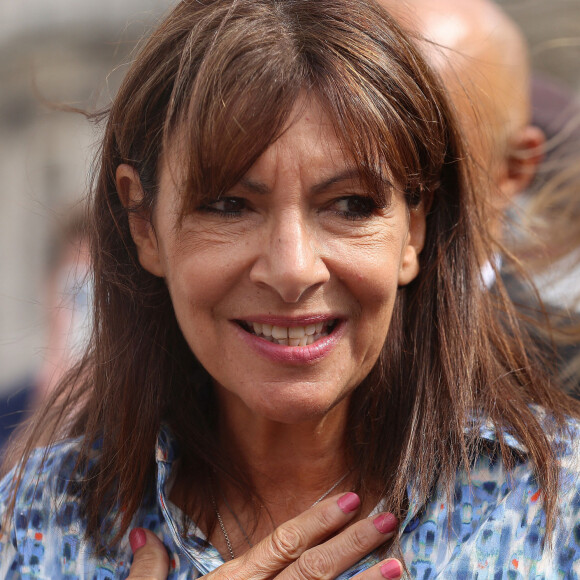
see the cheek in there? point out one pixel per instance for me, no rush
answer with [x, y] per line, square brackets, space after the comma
[375, 285]
[192, 270]
[370, 270]
[194, 287]
[203, 281]
[370, 277]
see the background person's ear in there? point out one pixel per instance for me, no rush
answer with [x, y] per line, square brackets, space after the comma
[410, 267]
[525, 153]
[131, 195]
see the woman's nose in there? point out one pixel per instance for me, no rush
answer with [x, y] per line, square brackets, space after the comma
[289, 261]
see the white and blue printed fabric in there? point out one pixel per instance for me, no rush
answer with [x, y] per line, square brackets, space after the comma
[493, 529]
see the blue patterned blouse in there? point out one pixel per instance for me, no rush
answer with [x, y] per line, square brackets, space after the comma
[496, 531]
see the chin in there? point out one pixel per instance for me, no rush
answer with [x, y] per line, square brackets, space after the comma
[295, 409]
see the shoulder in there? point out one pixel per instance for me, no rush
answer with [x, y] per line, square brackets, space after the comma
[567, 439]
[564, 437]
[565, 442]
[45, 531]
[567, 448]
[519, 518]
[515, 525]
[494, 520]
[47, 469]
[42, 528]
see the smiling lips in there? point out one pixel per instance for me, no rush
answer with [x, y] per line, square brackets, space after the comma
[290, 335]
[286, 341]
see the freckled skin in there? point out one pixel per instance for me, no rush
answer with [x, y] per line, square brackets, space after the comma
[289, 251]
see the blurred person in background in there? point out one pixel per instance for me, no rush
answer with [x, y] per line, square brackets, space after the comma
[552, 210]
[67, 298]
[483, 59]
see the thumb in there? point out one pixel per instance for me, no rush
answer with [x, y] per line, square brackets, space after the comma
[150, 559]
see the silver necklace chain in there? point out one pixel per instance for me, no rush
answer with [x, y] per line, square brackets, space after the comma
[331, 489]
[239, 524]
[222, 527]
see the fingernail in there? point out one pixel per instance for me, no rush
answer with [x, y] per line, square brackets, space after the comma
[137, 539]
[391, 569]
[385, 523]
[348, 502]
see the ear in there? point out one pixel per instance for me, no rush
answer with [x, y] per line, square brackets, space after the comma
[131, 195]
[409, 267]
[525, 153]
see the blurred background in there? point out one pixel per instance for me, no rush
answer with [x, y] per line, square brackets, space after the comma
[75, 52]
[72, 52]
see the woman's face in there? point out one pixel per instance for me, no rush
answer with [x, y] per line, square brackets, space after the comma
[284, 288]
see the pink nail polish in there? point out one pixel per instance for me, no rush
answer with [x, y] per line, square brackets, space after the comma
[391, 569]
[385, 523]
[137, 539]
[348, 502]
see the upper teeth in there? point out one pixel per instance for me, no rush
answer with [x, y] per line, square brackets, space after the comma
[291, 335]
[279, 332]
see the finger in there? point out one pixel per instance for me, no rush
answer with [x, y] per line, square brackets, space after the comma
[390, 569]
[330, 559]
[150, 559]
[291, 539]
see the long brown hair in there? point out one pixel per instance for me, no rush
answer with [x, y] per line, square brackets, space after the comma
[223, 75]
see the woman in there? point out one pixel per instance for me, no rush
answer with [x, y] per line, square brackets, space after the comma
[291, 333]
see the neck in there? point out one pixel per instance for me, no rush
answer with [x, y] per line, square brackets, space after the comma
[289, 465]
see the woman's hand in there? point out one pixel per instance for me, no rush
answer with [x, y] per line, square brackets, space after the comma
[300, 549]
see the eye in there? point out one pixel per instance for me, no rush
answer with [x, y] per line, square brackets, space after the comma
[354, 206]
[226, 206]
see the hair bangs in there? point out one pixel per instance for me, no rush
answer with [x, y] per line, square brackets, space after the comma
[388, 122]
[232, 99]
[236, 86]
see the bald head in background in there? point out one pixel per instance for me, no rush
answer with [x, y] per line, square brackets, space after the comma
[482, 58]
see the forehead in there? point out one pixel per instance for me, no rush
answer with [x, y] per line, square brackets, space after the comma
[308, 143]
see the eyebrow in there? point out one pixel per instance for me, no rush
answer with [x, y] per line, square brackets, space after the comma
[346, 175]
[254, 186]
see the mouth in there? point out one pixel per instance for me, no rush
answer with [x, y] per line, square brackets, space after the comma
[290, 335]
